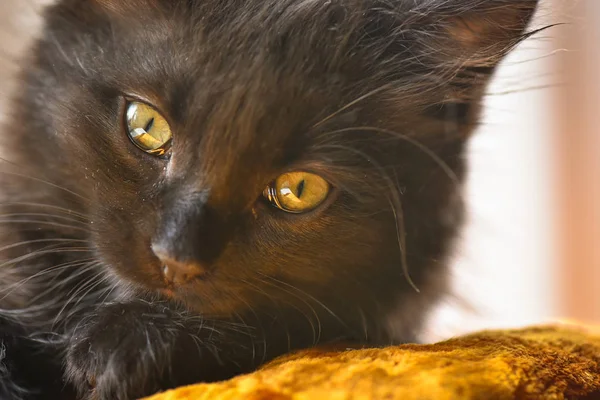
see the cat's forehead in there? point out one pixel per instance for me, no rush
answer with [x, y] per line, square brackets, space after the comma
[240, 65]
[202, 47]
[249, 78]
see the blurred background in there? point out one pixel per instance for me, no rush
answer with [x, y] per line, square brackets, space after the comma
[527, 253]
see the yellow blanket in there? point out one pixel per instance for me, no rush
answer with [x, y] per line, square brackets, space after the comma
[555, 362]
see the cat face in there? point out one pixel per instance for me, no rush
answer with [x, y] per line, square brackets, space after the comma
[247, 154]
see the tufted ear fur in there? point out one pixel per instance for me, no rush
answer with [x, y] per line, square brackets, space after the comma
[462, 43]
[480, 33]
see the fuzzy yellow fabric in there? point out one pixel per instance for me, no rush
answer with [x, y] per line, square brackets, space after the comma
[554, 362]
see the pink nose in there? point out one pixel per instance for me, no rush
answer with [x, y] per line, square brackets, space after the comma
[177, 272]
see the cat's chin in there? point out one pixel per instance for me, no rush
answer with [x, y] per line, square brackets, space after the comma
[206, 300]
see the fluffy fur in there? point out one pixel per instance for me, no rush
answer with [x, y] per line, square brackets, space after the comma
[377, 97]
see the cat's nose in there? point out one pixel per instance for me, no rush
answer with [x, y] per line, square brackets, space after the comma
[177, 272]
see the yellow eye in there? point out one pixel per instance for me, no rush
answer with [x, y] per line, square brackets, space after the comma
[148, 129]
[297, 192]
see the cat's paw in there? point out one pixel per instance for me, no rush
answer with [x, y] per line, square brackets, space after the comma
[122, 352]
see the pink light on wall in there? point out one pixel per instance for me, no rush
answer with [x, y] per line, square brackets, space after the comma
[577, 152]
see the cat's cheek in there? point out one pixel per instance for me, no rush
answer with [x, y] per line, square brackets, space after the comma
[123, 246]
[224, 300]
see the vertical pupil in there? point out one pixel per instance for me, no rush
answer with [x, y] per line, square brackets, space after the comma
[149, 125]
[300, 188]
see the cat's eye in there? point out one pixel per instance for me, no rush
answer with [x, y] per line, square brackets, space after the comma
[148, 129]
[297, 192]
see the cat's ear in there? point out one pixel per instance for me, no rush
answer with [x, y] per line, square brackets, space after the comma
[480, 32]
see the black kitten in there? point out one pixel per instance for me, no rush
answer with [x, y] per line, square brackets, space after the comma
[194, 187]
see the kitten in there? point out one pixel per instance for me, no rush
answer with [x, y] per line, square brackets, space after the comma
[195, 187]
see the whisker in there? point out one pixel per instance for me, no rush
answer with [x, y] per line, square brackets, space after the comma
[42, 222]
[75, 291]
[75, 310]
[42, 205]
[262, 328]
[527, 89]
[92, 278]
[305, 294]
[352, 103]
[434, 157]
[88, 300]
[112, 288]
[82, 269]
[197, 343]
[396, 206]
[365, 325]
[316, 331]
[40, 180]
[50, 240]
[61, 217]
[398, 212]
[245, 324]
[38, 313]
[44, 252]
[19, 284]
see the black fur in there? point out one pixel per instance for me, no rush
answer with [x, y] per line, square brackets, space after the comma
[378, 97]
